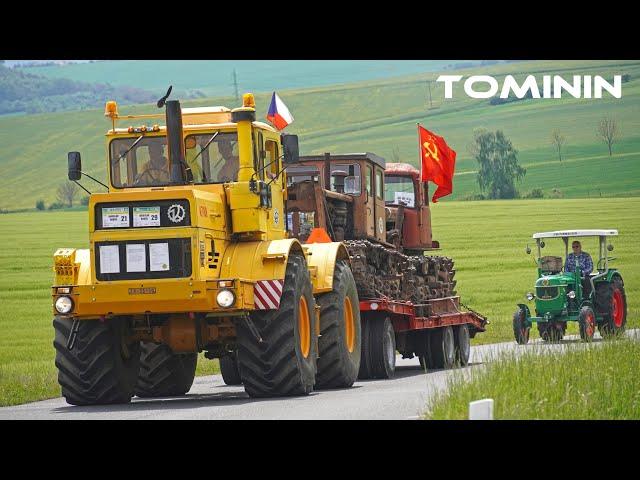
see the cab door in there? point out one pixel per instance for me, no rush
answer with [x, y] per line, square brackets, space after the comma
[273, 174]
[369, 202]
[379, 209]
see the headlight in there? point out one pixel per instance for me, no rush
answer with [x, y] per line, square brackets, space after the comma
[225, 298]
[530, 296]
[64, 305]
[571, 294]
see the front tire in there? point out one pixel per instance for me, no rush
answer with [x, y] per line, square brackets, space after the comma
[101, 368]
[230, 370]
[340, 342]
[521, 328]
[284, 363]
[587, 323]
[164, 373]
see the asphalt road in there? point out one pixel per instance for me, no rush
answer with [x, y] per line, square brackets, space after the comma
[401, 398]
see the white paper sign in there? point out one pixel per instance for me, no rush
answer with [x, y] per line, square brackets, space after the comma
[146, 216]
[109, 259]
[136, 258]
[405, 197]
[159, 257]
[115, 217]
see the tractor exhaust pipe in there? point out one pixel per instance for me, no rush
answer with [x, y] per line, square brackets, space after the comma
[175, 143]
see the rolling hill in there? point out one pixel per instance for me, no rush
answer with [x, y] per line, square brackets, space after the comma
[379, 116]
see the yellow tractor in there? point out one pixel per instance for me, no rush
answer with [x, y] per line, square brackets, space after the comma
[190, 252]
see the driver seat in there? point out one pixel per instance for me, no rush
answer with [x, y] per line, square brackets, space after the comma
[551, 264]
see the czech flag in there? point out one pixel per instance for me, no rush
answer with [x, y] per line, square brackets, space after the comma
[278, 114]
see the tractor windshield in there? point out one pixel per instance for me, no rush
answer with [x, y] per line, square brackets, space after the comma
[399, 189]
[212, 159]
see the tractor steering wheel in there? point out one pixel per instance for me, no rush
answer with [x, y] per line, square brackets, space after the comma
[154, 180]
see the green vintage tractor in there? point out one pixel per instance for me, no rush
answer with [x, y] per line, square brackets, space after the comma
[561, 295]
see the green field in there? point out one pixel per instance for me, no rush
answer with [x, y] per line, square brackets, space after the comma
[596, 382]
[486, 239]
[379, 116]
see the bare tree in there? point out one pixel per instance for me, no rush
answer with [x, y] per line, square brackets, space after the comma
[608, 132]
[67, 193]
[558, 140]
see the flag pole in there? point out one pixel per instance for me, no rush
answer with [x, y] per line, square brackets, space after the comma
[419, 150]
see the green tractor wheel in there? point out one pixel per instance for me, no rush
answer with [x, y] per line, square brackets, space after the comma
[587, 322]
[521, 328]
[611, 304]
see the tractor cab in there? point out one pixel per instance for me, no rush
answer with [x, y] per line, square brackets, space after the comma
[564, 293]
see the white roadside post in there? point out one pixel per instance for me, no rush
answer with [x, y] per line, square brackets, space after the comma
[481, 409]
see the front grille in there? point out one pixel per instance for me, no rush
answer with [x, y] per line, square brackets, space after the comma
[546, 293]
[143, 259]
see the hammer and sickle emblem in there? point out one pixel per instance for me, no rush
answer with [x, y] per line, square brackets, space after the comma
[431, 152]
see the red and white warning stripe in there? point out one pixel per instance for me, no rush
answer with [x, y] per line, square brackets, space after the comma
[267, 293]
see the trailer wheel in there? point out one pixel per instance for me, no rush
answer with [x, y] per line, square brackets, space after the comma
[442, 343]
[164, 373]
[365, 361]
[611, 304]
[587, 323]
[340, 343]
[463, 345]
[520, 328]
[284, 363]
[383, 348]
[229, 369]
[100, 368]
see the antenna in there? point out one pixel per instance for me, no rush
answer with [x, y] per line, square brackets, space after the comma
[235, 85]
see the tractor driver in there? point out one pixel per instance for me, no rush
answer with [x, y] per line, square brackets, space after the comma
[156, 170]
[229, 170]
[585, 263]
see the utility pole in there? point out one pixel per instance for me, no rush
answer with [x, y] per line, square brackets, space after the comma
[430, 102]
[235, 85]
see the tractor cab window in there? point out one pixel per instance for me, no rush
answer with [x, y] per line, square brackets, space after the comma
[139, 162]
[298, 174]
[271, 158]
[345, 178]
[213, 161]
[399, 189]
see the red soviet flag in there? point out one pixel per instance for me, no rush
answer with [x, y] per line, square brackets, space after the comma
[438, 162]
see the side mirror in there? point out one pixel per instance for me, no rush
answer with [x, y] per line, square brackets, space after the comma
[610, 247]
[75, 165]
[290, 147]
[528, 250]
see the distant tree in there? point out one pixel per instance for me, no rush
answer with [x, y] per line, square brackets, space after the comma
[84, 200]
[626, 77]
[558, 140]
[609, 132]
[67, 193]
[40, 205]
[498, 161]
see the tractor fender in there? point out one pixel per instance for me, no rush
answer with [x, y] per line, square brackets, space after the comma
[322, 258]
[261, 260]
[72, 266]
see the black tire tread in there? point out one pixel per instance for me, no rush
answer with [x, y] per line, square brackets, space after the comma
[164, 373]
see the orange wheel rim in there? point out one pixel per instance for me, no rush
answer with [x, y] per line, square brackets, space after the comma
[304, 327]
[349, 325]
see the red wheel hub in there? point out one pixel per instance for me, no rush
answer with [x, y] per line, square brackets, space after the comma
[618, 308]
[590, 326]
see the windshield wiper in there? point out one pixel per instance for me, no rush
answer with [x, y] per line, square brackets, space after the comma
[129, 149]
[206, 145]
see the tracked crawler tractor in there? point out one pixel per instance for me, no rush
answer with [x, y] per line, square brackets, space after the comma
[380, 211]
[189, 253]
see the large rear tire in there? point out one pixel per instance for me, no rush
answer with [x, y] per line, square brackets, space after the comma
[100, 368]
[383, 348]
[230, 370]
[340, 342]
[284, 363]
[164, 373]
[611, 304]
